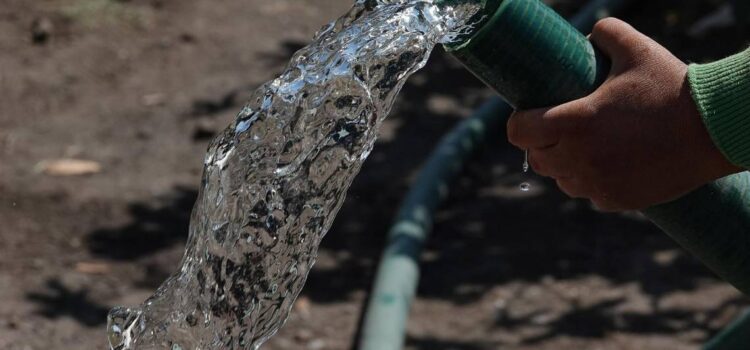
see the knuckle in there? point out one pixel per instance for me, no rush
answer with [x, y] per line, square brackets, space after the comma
[607, 25]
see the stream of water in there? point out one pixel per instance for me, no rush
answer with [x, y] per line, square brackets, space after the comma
[275, 178]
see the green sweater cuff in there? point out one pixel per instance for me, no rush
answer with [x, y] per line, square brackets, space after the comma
[722, 92]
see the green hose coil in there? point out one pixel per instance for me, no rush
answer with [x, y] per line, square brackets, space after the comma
[395, 285]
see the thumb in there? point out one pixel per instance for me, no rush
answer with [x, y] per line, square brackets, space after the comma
[619, 41]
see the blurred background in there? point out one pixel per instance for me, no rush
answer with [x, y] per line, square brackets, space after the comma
[106, 109]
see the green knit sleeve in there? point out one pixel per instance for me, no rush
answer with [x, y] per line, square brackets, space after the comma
[722, 92]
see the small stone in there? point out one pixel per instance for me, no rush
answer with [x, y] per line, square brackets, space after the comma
[303, 335]
[152, 100]
[316, 344]
[93, 268]
[12, 323]
[41, 30]
[143, 134]
[69, 167]
[302, 307]
[187, 38]
[38, 263]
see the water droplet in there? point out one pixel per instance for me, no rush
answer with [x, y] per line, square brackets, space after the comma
[525, 187]
[526, 161]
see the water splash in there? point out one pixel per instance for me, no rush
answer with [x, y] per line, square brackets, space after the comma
[525, 187]
[274, 179]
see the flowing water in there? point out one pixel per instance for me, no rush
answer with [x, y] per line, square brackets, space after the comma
[274, 179]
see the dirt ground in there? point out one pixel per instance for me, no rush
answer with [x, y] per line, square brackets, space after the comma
[140, 86]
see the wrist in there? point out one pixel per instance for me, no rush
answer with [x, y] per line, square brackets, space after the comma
[721, 91]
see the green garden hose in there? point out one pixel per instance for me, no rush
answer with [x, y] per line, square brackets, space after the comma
[395, 285]
[384, 326]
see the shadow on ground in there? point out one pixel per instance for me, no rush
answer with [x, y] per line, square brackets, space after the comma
[60, 301]
[154, 227]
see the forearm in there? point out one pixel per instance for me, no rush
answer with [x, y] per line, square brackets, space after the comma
[721, 91]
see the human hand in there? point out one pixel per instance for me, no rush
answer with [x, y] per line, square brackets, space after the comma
[637, 141]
